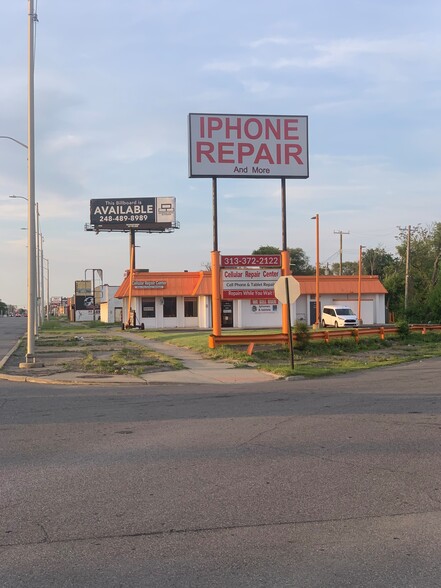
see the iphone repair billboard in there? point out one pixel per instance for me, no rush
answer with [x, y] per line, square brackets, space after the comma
[248, 146]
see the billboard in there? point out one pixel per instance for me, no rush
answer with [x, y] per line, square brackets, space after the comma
[249, 283]
[85, 303]
[248, 146]
[83, 287]
[123, 214]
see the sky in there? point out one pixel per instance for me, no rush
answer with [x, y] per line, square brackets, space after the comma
[115, 82]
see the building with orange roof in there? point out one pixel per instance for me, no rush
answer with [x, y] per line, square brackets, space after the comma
[162, 300]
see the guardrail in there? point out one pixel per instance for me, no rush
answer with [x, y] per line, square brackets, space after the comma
[251, 339]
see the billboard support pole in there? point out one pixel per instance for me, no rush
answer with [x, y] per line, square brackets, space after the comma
[288, 305]
[215, 270]
[93, 293]
[132, 245]
[132, 267]
[286, 270]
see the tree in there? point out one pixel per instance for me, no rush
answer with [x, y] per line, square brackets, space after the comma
[299, 261]
[424, 245]
[349, 268]
[377, 262]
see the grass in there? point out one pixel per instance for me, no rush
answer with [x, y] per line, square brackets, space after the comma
[132, 359]
[340, 355]
[62, 324]
[96, 347]
[319, 358]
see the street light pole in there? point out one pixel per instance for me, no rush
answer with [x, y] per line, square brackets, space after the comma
[41, 310]
[38, 317]
[37, 271]
[47, 290]
[30, 353]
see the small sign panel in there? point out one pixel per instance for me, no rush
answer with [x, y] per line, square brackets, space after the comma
[251, 260]
[287, 286]
[248, 283]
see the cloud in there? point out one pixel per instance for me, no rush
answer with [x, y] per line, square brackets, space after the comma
[270, 41]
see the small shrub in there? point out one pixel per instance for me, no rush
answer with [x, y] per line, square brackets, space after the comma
[303, 335]
[403, 329]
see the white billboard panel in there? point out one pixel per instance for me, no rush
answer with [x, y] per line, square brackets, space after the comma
[248, 146]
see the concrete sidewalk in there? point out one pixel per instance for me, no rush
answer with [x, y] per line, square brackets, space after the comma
[198, 370]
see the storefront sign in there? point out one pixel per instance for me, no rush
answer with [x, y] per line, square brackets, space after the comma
[133, 213]
[257, 308]
[249, 283]
[149, 285]
[251, 260]
[248, 146]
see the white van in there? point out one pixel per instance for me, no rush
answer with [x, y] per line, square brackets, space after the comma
[338, 316]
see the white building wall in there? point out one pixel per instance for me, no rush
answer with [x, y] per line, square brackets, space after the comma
[372, 311]
[257, 316]
[301, 309]
[108, 304]
[204, 312]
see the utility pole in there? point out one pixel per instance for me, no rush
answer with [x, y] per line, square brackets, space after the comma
[406, 279]
[30, 360]
[406, 283]
[341, 233]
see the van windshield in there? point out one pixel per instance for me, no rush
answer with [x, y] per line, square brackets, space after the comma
[343, 311]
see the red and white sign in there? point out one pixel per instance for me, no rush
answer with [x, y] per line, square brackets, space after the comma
[248, 146]
[249, 283]
[251, 260]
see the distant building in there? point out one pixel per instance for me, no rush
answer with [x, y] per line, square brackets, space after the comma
[110, 307]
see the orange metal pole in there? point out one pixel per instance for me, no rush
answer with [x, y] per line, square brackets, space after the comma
[216, 293]
[132, 257]
[286, 271]
[317, 272]
[359, 284]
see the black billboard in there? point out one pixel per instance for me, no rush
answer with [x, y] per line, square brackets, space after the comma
[85, 303]
[123, 214]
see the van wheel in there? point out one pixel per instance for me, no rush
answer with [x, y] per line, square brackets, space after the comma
[323, 324]
[336, 324]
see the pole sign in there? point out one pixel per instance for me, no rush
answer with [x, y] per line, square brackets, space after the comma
[248, 146]
[248, 283]
[251, 260]
[287, 289]
[123, 214]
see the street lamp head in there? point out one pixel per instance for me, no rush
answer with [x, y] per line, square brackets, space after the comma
[15, 196]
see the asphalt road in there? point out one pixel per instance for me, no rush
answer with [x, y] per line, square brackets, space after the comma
[327, 483]
[11, 329]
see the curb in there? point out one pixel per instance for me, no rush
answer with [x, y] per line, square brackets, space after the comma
[43, 380]
[10, 352]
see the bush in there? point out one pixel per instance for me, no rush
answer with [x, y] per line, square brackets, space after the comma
[303, 334]
[403, 329]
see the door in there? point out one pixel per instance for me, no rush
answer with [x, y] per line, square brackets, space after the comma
[227, 318]
[312, 307]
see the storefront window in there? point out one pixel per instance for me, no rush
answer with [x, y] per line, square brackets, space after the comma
[169, 306]
[148, 308]
[190, 307]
